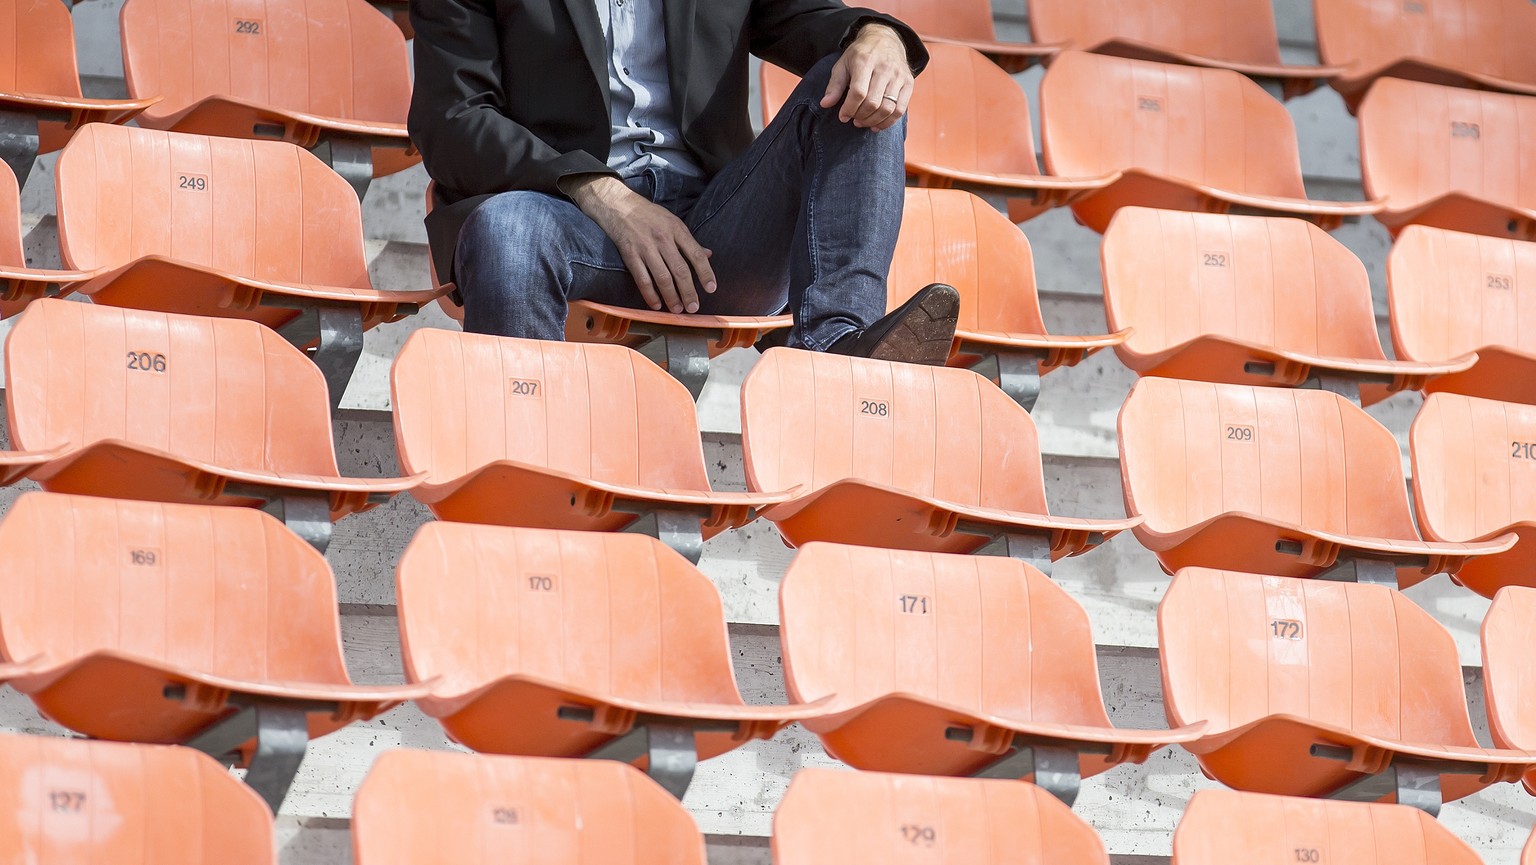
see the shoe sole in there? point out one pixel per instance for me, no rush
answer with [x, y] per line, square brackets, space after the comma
[926, 331]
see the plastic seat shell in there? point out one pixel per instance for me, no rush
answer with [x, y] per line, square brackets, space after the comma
[1275, 665]
[233, 409]
[968, 23]
[1225, 474]
[432, 806]
[1211, 297]
[900, 646]
[1453, 294]
[1224, 826]
[513, 624]
[948, 451]
[1507, 675]
[301, 70]
[582, 433]
[829, 817]
[1239, 35]
[1474, 466]
[1450, 158]
[107, 603]
[143, 804]
[1175, 138]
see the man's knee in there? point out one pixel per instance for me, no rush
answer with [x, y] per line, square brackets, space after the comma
[513, 228]
[816, 80]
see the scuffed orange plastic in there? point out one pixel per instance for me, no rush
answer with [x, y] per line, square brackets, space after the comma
[1177, 138]
[1226, 475]
[299, 70]
[432, 806]
[1206, 295]
[898, 455]
[510, 625]
[1276, 665]
[829, 817]
[174, 408]
[901, 646]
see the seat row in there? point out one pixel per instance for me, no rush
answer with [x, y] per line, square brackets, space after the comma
[217, 628]
[332, 76]
[419, 806]
[1300, 482]
[1478, 44]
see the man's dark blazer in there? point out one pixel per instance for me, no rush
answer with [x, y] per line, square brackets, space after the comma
[513, 94]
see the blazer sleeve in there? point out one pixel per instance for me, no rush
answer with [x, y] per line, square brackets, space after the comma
[466, 142]
[795, 34]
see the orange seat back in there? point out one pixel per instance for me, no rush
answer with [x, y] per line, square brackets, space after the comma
[12, 250]
[330, 58]
[464, 401]
[1191, 451]
[73, 800]
[987, 634]
[1480, 37]
[1224, 826]
[953, 237]
[811, 419]
[1419, 142]
[431, 806]
[612, 615]
[965, 114]
[37, 49]
[830, 818]
[261, 210]
[222, 591]
[1284, 283]
[1237, 648]
[1453, 293]
[945, 19]
[1213, 127]
[224, 392]
[1237, 31]
[1474, 465]
[1509, 676]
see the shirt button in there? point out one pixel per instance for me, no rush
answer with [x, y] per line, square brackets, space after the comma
[626, 70]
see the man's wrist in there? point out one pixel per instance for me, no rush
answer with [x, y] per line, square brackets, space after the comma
[879, 29]
[589, 190]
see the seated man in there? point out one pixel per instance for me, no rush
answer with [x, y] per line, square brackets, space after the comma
[601, 150]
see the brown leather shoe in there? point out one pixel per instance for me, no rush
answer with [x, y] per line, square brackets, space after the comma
[922, 330]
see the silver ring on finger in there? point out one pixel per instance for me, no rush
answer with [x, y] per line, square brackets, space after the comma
[889, 99]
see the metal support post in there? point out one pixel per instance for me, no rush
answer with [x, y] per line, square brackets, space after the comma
[677, 529]
[1053, 768]
[1405, 782]
[350, 158]
[19, 143]
[282, 736]
[337, 334]
[309, 517]
[685, 356]
[1032, 548]
[1017, 374]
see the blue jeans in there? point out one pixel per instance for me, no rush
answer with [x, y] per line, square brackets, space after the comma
[806, 220]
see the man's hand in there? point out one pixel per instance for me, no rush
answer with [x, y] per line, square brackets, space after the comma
[657, 247]
[871, 79]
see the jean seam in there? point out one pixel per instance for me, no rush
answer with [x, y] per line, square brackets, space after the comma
[813, 187]
[763, 151]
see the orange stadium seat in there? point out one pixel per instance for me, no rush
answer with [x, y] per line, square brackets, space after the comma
[1249, 300]
[178, 408]
[968, 126]
[1474, 466]
[569, 644]
[556, 435]
[240, 229]
[953, 237]
[1177, 138]
[1454, 294]
[20, 284]
[1317, 688]
[1299, 483]
[1481, 44]
[331, 76]
[1221, 827]
[74, 801]
[210, 627]
[681, 344]
[1450, 158]
[967, 23]
[431, 806]
[1239, 35]
[901, 456]
[41, 104]
[950, 665]
[829, 817]
[1509, 674]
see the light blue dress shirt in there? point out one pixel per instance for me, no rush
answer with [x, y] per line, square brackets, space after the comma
[645, 129]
